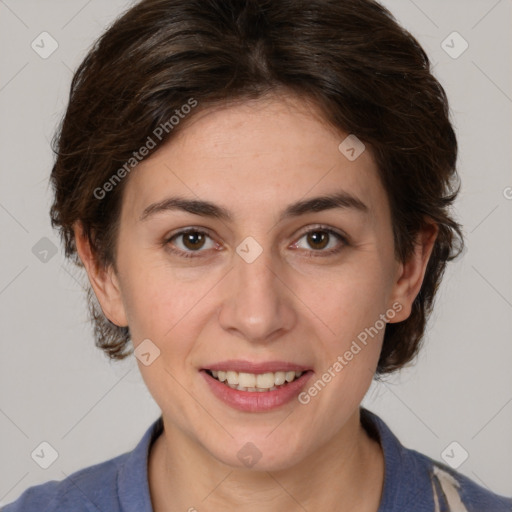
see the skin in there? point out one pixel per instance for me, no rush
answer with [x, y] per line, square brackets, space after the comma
[254, 159]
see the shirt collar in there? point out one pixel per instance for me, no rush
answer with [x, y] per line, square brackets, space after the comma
[132, 479]
[407, 484]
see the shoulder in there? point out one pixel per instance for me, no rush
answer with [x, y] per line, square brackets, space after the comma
[414, 481]
[116, 484]
[87, 490]
[458, 492]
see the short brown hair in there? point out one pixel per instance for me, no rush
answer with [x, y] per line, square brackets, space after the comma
[366, 74]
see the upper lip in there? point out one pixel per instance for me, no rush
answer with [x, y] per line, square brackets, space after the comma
[238, 365]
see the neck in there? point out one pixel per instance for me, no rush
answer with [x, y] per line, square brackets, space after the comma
[346, 473]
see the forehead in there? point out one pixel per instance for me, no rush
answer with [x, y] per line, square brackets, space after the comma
[254, 156]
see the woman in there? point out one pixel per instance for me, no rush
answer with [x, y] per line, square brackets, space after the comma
[259, 192]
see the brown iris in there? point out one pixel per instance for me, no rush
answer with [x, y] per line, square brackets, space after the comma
[193, 240]
[318, 239]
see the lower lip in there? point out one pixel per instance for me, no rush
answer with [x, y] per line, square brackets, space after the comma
[256, 401]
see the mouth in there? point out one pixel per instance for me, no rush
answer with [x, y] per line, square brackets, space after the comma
[255, 382]
[253, 387]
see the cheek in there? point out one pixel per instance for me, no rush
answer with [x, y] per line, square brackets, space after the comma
[159, 305]
[348, 351]
[350, 305]
[152, 299]
[350, 299]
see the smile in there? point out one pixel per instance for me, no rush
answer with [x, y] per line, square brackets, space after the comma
[255, 387]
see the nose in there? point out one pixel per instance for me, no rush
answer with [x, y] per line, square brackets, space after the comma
[257, 303]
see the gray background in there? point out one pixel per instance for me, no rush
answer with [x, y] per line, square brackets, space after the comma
[57, 387]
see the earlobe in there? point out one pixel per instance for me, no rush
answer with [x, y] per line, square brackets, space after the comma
[411, 273]
[103, 280]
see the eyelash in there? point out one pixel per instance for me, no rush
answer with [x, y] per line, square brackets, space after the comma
[313, 253]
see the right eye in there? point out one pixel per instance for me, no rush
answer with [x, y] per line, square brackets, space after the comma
[190, 241]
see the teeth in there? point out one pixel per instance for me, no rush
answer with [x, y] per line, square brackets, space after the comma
[232, 377]
[266, 380]
[247, 380]
[280, 378]
[255, 382]
[290, 376]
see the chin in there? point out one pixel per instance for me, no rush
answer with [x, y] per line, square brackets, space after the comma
[259, 455]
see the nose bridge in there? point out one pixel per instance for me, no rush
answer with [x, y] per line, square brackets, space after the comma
[256, 305]
[256, 275]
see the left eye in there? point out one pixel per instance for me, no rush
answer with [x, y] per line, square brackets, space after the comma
[321, 238]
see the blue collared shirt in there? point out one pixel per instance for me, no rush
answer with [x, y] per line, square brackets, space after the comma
[413, 482]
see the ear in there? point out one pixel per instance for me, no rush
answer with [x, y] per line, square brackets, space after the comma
[104, 281]
[411, 273]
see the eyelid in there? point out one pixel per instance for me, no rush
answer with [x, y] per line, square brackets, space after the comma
[188, 229]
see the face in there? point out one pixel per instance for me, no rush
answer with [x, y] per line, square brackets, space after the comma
[264, 281]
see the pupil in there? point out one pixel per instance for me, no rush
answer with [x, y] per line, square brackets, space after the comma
[318, 237]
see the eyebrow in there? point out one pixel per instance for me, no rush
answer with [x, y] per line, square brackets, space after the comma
[341, 199]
